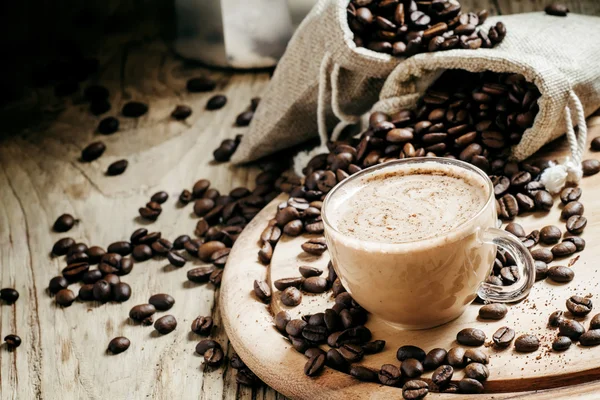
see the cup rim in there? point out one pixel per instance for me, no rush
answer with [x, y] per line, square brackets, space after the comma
[415, 160]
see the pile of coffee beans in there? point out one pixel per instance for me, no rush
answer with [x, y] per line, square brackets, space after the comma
[570, 329]
[407, 27]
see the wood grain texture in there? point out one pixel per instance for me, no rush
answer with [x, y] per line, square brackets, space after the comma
[512, 375]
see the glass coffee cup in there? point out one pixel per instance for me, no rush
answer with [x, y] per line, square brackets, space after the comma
[414, 240]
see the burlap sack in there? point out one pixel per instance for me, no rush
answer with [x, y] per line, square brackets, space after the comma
[561, 56]
[322, 79]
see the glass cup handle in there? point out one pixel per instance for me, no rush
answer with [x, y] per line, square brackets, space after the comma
[525, 267]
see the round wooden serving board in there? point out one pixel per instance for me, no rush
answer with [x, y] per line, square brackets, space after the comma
[249, 322]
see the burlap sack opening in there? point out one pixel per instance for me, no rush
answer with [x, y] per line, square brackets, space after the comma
[559, 55]
[322, 79]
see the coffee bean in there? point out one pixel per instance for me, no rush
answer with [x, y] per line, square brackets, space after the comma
[162, 301]
[141, 312]
[456, 357]
[77, 257]
[57, 284]
[476, 356]
[281, 320]
[515, 229]
[202, 325]
[470, 386]
[95, 254]
[315, 246]
[64, 223]
[590, 167]
[557, 9]
[216, 102]
[118, 345]
[200, 274]
[493, 311]
[166, 324]
[134, 109]
[61, 247]
[595, 322]
[308, 271]
[204, 345]
[590, 338]
[561, 343]
[117, 168]
[137, 235]
[102, 291]
[411, 368]
[509, 275]
[471, 337]
[563, 249]
[121, 292]
[200, 84]
[175, 259]
[409, 351]
[92, 152]
[572, 208]
[363, 373]
[570, 194]
[442, 376]
[161, 247]
[291, 297]
[503, 337]
[142, 252]
[262, 290]
[415, 390]
[579, 305]
[434, 359]
[314, 365]
[571, 328]
[577, 241]
[477, 371]
[181, 112]
[561, 274]
[295, 327]
[543, 200]
[542, 254]
[509, 208]
[389, 375]
[213, 356]
[351, 352]
[12, 341]
[315, 284]
[556, 318]
[122, 248]
[550, 234]
[65, 297]
[576, 224]
[374, 347]
[74, 272]
[185, 197]
[244, 118]
[9, 295]
[225, 150]
[541, 270]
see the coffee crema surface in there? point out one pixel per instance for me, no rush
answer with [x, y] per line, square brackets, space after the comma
[409, 202]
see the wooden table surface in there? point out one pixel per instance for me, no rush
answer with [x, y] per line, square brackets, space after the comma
[63, 352]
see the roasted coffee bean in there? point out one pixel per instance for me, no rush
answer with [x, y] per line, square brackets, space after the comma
[219, 257]
[95, 254]
[57, 284]
[121, 292]
[262, 290]
[216, 102]
[200, 84]
[314, 365]
[185, 197]
[470, 386]
[556, 318]
[225, 150]
[442, 376]
[542, 254]
[595, 322]
[503, 337]
[363, 373]
[126, 266]
[204, 345]
[9, 295]
[162, 301]
[509, 275]
[166, 324]
[595, 144]
[315, 334]
[141, 312]
[351, 352]
[122, 248]
[374, 347]
[265, 253]
[207, 249]
[181, 112]
[142, 252]
[202, 325]
[244, 118]
[576, 224]
[284, 283]
[92, 152]
[134, 109]
[543, 200]
[456, 357]
[308, 271]
[389, 375]
[571, 329]
[161, 247]
[525, 202]
[315, 246]
[317, 319]
[111, 263]
[74, 272]
[61, 247]
[411, 368]
[563, 249]
[561, 274]
[102, 291]
[550, 234]
[409, 351]
[137, 235]
[315, 284]
[159, 197]
[118, 345]
[577, 241]
[570, 194]
[175, 259]
[12, 341]
[151, 211]
[65, 297]
[415, 390]
[64, 223]
[291, 297]
[200, 274]
[77, 257]
[541, 270]
[561, 343]
[579, 305]
[476, 356]
[434, 359]
[493, 311]
[557, 9]
[515, 229]
[200, 187]
[336, 361]
[509, 208]
[590, 167]
[117, 167]
[527, 343]
[203, 206]
[214, 356]
[471, 337]
[477, 371]
[571, 208]
[180, 241]
[295, 327]
[590, 338]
